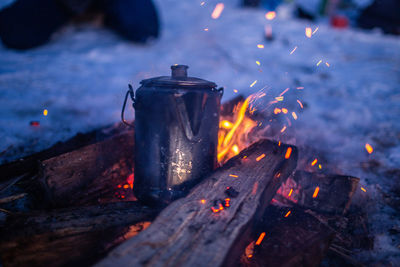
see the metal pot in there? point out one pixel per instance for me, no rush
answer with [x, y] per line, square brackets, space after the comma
[176, 134]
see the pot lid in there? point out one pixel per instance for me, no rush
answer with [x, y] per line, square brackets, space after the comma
[178, 78]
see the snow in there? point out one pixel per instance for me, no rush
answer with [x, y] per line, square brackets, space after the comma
[81, 77]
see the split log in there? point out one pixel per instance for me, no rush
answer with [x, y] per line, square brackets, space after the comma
[29, 165]
[68, 236]
[324, 193]
[212, 225]
[294, 239]
[87, 175]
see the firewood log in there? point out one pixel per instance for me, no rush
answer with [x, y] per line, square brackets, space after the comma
[324, 193]
[86, 175]
[212, 225]
[288, 237]
[67, 236]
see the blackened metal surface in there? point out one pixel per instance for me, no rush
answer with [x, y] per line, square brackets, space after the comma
[176, 136]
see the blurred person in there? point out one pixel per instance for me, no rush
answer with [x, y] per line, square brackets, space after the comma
[26, 24]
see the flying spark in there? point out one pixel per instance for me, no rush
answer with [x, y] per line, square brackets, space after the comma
[260, 157]
[260, 238]
[279, 98]
[45, 112]
[260, 46]
[270, 15]
[251, 85]
[369, 148]
[294, 115]
[288, 153]
[327, 64]
[283, 129]
[314, 162]
[277, 110]
[258, 63]
[301, 105]
[233, 175]
[316, 192]
[363, 189]
[203, 201]
[284, 92]
[290, 192]
[235, 91]
[206, 29]
[284, 110]
[294, 49]
[316, 29]
[308, 32]
[217, 10]
[288, 213]
[319, 62]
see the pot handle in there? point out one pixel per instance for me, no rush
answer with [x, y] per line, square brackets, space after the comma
[132, 94]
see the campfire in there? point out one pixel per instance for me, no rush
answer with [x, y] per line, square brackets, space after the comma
[74, 203]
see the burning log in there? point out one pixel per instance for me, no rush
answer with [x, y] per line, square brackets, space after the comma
[292, 237]
[83, 234]
[213, 223]
[86, 175]
[325, 193]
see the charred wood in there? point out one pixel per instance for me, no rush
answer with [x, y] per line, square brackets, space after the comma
[212, 225]
[67, 236]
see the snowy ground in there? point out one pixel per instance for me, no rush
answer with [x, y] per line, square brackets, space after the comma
[81, 77]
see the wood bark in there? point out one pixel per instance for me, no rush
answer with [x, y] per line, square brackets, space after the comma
[69, 236]
[189, 233]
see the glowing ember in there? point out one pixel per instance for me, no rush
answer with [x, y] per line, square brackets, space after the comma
[284, 110]
[251, 85]
[260, 46]
[308, 32]
[227, 202]
[45, 112]
[277, 110]
[294, 49]
[369, 148]
[288, 152]
[203, 201]
[233, 175]
[260, 157]
[314, 162]
[217, 10]
[270, 15]
[235, 149]
[288, 213]
[301, 105]
[316, 192]
[260, 238]
[294, 115]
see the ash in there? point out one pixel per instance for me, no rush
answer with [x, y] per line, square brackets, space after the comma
[351, 98]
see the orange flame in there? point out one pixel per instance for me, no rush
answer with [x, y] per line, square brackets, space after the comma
[233, 131]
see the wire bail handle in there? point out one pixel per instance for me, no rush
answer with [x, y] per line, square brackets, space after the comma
[132, 94]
